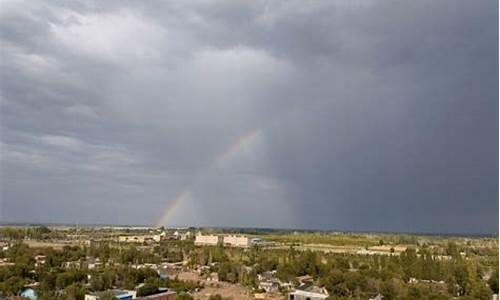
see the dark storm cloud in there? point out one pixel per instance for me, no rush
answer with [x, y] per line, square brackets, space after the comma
[369, 116]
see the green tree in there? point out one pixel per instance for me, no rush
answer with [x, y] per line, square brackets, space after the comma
[493, 281]
[108, 295]
[75, 291]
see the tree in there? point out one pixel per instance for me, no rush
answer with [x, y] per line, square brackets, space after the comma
[13, 285]
[493, 281]
[108, 295]
[480, 291]
[147, 289]
[184, 296]
[75, 291]
[389, 289]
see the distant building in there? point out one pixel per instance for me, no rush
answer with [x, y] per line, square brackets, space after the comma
[40, 260]
[4, 245]
[93, 263]
[270, 286]
[207, 240]
[268, 282]
[237, 241]
[257, 241]
[119, 294]
[6, 262]
[308, 292]
[139, 238]
[76, 264]
[185, 236]
[213, 277]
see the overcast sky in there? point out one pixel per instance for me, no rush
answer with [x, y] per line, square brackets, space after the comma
[350, 115]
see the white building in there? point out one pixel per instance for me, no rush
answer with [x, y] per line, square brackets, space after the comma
[207, 240]
[139, 238]
[312, 293]
[237, 241]
[119, 294]
[40, 260]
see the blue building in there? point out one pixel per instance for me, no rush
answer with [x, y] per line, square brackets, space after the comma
[29, 293]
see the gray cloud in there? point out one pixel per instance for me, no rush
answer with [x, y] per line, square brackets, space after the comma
[371, 116]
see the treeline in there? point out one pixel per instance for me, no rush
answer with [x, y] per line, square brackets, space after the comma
[58, 282]
[38, 233]
[463, 272]
[411, 275]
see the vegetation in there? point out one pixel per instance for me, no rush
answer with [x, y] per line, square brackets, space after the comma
[428, 268]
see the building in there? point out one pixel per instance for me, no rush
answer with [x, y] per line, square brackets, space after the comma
[166, 272]
[169, 295]
[29, 293]
[6, 262]
[213, 277]
[93, 263]
[268, 282]
[185, 236]
[40, 260]
[161, 294]
[237, 241]
[207, 240]
[119, 294]
[76, 264]
[139, 238]
[261, 243]
[308, 293]
[270, 286]
[4, 245]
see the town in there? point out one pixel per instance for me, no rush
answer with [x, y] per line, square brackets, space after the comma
[91, 263]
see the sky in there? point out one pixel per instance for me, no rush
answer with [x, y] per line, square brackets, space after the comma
[336, 115]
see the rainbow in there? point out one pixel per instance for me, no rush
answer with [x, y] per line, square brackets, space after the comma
[236, 146]
[229, 152]
[173, 204]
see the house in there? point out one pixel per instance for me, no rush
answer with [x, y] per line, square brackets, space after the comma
[119, 294]
[6, 262]
[237, 241]
[166, 272]
[261, 243]
[182, 235]
[40, 260]
[306, 279]
[139, 238]
[4, 245]
[145, 266]
[270, 286]
[161, 294]
[29, 293]
[185, 236]
[76, 264]
[207, 240]
[93, 263]
[269, 283]
[308, 292]
[213, 277]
